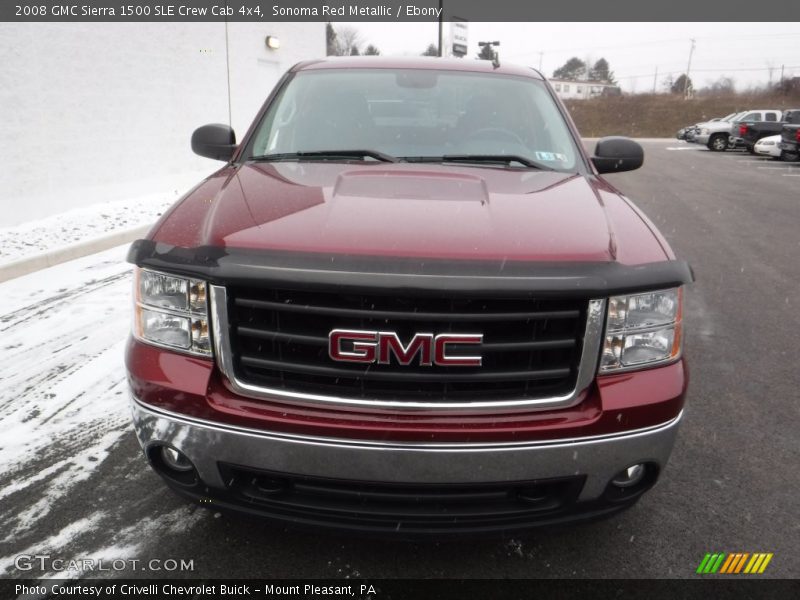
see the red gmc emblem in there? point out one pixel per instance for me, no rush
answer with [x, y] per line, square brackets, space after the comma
[380, 346]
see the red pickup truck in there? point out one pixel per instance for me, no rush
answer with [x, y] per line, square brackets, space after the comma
[408, 304]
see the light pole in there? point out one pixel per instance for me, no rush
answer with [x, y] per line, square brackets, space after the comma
[441, 28]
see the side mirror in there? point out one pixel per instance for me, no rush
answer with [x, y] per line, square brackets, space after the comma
[214, 141]
[617, 154]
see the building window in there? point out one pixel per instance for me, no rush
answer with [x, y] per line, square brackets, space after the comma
[558, 87]
[580, 89]
[566, 87]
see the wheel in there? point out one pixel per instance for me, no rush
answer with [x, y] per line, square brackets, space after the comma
[790, 156]
[718, 142]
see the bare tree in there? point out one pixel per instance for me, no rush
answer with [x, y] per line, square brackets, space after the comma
[348, 41]
[723, 85]
[771, 69]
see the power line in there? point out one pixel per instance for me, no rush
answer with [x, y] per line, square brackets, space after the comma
[679, 71]
[706, 39]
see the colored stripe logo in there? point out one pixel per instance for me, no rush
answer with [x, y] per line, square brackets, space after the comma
[734, 563]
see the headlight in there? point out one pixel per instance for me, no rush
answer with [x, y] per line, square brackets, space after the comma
[642, 330]
[171, 311]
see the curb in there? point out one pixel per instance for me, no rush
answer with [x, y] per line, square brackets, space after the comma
[43, 260]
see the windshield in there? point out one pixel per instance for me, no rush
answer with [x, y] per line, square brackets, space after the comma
[417, 115]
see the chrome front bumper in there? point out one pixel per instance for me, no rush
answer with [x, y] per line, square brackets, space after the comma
[208, 444]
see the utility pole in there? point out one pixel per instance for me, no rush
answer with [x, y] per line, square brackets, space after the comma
[541, 55]
[655, 79]
[688, 68]
[441, 29]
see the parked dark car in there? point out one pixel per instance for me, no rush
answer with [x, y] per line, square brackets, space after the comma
[790, 142]
[752, 131]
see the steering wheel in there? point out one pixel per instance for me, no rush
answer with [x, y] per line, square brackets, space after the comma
[491, 133]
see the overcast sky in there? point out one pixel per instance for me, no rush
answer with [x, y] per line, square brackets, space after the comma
[744, 51]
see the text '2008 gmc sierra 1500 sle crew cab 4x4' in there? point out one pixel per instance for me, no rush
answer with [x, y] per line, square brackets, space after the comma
[408, 304]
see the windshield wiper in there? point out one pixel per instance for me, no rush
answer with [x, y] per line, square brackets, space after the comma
[325, 155]
[505, 159]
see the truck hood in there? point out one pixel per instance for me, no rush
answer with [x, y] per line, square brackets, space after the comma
[409, 210]
[717, 125]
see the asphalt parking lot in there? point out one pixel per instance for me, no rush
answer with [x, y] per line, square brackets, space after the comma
[731, 484]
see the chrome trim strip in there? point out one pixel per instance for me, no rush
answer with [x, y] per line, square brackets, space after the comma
[398, 445]
[598, 459]
[587, 368]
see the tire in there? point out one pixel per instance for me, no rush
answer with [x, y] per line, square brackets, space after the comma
[718, 142]
[790, 156]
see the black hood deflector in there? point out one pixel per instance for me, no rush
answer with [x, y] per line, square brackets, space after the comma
[230, 266]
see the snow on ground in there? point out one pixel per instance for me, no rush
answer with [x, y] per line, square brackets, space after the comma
[64, 411]
[62, 400]
[86, 223]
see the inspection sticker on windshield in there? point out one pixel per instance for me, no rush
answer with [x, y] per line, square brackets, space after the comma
[550, 156]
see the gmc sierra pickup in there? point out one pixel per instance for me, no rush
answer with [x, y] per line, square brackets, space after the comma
[408, 304]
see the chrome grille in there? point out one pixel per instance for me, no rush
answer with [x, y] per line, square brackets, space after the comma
[277, 340]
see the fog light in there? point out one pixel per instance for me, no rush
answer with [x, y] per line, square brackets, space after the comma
[175, 460]
[629, 477]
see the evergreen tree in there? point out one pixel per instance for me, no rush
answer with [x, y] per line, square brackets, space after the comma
[572, 70]
[682, 84]
[431, 50]
[330, 40]
[601, 72]
[486, 53]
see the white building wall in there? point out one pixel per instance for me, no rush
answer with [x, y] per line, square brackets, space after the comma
[578, 89]
[97, 112]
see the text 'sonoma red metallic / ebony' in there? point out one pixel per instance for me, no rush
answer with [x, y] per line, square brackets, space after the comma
[408, 304]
